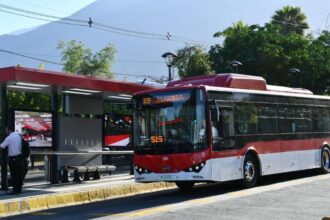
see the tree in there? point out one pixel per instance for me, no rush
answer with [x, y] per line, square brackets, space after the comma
[79, 59]
[265, 51]
[192, 61]
[28, 100]
[290, 19]
[317, 65]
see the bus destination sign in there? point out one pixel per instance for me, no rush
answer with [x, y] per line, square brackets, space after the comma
[165, 99]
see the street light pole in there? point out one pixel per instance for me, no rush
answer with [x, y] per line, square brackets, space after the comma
[169, 58]
[235, 64]
[295, 72]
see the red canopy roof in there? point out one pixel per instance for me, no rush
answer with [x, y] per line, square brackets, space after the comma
[11, 75]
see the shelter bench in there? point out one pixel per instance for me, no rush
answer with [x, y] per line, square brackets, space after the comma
[85, 172]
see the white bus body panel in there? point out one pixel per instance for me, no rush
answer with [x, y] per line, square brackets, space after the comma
[204, 175]
[231, 168]
[228, 168]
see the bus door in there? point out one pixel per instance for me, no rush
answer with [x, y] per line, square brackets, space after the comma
[222, 118]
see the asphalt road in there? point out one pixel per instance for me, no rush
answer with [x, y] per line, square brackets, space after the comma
[301, 195]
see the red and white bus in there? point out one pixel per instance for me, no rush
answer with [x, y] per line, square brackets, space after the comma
[228, 127]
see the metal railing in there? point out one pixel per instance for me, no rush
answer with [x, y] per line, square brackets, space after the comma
[51, 154]
[81, 152]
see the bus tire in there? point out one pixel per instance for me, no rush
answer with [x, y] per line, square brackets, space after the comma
[250, 171]
[185, 186]
[325, 160]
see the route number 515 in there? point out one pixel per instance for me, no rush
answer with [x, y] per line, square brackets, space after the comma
[157, 139]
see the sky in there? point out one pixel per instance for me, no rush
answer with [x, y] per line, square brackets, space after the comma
[318, 11]
[191, 19]
[62, 8]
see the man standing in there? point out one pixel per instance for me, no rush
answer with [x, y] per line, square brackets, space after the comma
[16, 160]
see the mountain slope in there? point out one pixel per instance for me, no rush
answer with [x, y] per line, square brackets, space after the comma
[193, 19]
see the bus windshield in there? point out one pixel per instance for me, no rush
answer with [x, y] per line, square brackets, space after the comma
[170, 122]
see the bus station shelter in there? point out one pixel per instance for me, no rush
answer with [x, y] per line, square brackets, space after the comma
[78, 126]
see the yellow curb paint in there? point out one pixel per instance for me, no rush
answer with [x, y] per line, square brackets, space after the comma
[24, 206]
[13, 207]
[68, 198]
[59, 200]
[3, 209]
[96, 195]
[76, 198]
[84, 197]
[52, 201]
[37, 203]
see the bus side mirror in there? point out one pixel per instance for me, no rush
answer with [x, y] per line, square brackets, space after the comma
[214, 114]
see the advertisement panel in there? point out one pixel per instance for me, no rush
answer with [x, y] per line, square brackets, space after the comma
[35, 127]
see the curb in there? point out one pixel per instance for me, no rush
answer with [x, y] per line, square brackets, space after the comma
[43, 202]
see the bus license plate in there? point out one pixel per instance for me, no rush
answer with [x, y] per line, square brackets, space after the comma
[167, 177]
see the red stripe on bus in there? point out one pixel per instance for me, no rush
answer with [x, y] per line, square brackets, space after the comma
[172, 163]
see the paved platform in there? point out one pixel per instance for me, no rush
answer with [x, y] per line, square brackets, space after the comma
[40, 195]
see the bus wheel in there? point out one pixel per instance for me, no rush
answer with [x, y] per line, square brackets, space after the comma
[325, 160]
[250, 171]
[185, 186]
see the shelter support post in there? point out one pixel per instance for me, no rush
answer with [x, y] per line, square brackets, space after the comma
[4, 154]
[53, 159]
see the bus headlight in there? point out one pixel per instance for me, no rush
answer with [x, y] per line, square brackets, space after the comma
[141, 170]
[196, 168]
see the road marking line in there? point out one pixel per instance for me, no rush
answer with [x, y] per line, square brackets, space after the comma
[201, 201]
[225, 196]
[43, 213]
[102, 214]
[145, 212]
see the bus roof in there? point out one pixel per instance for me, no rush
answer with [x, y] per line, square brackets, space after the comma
[231, 82]
[237, 81]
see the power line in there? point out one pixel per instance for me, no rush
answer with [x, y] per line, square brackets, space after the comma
[41, 7]
[29, 57]
[138, 61]
[93, 24]
[130, 31]
[42, 19]
[116, 60]
[127, 34]
[100, 26]
[40, 14]
[60, 64]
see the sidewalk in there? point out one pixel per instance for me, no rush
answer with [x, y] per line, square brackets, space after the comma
[39, 195]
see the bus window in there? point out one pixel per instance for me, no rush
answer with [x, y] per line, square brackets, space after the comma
[286, 119]
[321, 120]
[226, 130]
[267, 119]
[303, 119]
[246, 118]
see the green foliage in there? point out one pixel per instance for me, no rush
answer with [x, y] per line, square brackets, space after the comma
[192, 61]
[118, 108]
[79, 59]
[290, 19]
[31, 101]
[267, 52]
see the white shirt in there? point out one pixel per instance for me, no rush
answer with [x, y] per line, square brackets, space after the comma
[214, 132]
[14, 143]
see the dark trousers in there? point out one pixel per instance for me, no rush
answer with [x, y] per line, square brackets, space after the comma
[17, 167]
